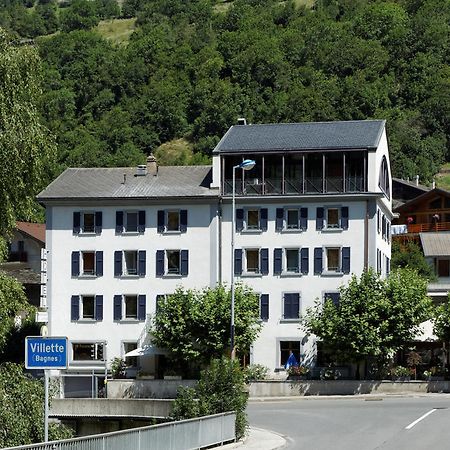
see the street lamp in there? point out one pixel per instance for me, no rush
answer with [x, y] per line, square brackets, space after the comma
[247, 164]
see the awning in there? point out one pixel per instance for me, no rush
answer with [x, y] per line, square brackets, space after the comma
[435, 244]
[147, 350]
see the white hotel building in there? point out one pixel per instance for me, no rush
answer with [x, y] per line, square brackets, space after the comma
[314, 210]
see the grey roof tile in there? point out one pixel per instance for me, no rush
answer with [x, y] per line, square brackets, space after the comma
[435, 244]
[171, 181]
[302, 136]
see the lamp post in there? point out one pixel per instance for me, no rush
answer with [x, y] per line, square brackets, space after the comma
[247, 164]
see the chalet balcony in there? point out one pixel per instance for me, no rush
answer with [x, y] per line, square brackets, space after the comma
[307, 186]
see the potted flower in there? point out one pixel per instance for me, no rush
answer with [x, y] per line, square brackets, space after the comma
[400, 373]
[298, 372]
[435, 373]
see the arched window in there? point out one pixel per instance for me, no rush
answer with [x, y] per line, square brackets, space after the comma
[384, 182]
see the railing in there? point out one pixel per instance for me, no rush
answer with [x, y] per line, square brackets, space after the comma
[311, 185]
[423, 227]
[185, 434]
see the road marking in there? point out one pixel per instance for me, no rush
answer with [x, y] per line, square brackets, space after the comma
[419, 419]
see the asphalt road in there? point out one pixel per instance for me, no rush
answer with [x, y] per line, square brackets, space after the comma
[358, 423]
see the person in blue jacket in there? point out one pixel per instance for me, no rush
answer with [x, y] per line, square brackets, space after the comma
[291, 362]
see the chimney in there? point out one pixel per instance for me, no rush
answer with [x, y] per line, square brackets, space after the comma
[242, 121]
[141, 170]
[152, 165]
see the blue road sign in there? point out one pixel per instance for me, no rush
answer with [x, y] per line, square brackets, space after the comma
[45, 352]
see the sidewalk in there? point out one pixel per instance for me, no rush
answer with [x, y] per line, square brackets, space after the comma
[259, 439]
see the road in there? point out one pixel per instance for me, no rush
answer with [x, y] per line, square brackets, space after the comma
[390, 423]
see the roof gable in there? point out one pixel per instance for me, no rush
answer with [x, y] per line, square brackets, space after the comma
[431, 194]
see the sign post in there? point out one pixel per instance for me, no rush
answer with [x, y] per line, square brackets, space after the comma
[45, 353]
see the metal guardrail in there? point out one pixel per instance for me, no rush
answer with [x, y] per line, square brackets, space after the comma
[182, 435]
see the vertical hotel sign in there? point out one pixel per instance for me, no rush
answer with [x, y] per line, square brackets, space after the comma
[43, 302]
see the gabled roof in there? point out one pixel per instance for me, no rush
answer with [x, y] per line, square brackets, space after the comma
[419, 199]
[34, 230]
[355, 134]
[122, 183]
[435, 244]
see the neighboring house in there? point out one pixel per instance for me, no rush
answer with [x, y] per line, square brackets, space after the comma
[24, 258]
[314, 210]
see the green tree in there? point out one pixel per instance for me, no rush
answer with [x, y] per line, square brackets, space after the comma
[410, 255]
[374, 317]
[195, 325]
[80, 15]
[221, 389]
[25, 144]
[441, 327]
[21, 409]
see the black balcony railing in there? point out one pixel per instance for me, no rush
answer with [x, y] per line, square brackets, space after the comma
[311, 185]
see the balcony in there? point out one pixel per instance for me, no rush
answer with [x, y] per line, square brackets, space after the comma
[424, 227]
[307, 186]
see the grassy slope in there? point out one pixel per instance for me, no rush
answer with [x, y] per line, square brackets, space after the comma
[116, 30]
[443, 177]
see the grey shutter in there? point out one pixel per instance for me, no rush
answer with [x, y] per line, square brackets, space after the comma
[99, 263]
[277, 261]
[159, 263]
[161, 217]
[141, 221]
[184, 262]
[141, 307]
[344, 217]
[141, 262]
[98, 222]
[117, 263]
[117, 308]
[304, 218]
[335, 297]
[318, 260]
[76, 222]
[279, 219]
[75, 308]
[237, 261]
[99, 307]
[263, 219]
[183, 220]
[75, 264]
[239, 219]
[346, 259]
[264, 256]
[291, 306]
[304, 261]
[119, 221]
[319, 218]
[264, 306]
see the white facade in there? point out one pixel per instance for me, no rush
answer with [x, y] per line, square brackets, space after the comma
[343, 232]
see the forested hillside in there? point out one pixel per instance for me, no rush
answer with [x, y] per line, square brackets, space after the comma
[191, 67]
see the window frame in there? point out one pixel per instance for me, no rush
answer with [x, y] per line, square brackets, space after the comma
[94, 270]
[286, 220]
[96, 345]
[82, 220]
[166, 220]
[326, 270]
[131, 362]
[327, 292]
[280, 363]
[166, 263]
[126, 213]
[82, 308]
[285, 270]
[125, 272]
[247, 272]
[246, 220]
[124, 307]
[339, 218]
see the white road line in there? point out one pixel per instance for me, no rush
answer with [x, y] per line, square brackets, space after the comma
[419, 419]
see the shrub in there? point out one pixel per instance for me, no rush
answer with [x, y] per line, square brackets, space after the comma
[298, 370]
[118, 367]
[400, 371]
[255, 372]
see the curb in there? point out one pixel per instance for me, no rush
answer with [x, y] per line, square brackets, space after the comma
[259, 438]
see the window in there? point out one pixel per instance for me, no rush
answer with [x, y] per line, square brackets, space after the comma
[252, 260]
[252, 219]
[332, 218]
[292, 260]
[88, 351]
[291, 305]
[86, 307]
[130, 221]
[335, 297]
[130, 361]
[264, 307]
[87, 263]
[384, 180]
[87, 222]
[286, 347]
[172, 262]
[291, 219]
[129, 307]
[172, 221]
[443, 267]
[332, 259]
[130, 263]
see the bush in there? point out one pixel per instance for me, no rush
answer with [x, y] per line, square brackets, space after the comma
[400, 372]
[255, 372]
[118, 367]
[221, 389]
[298, 370]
